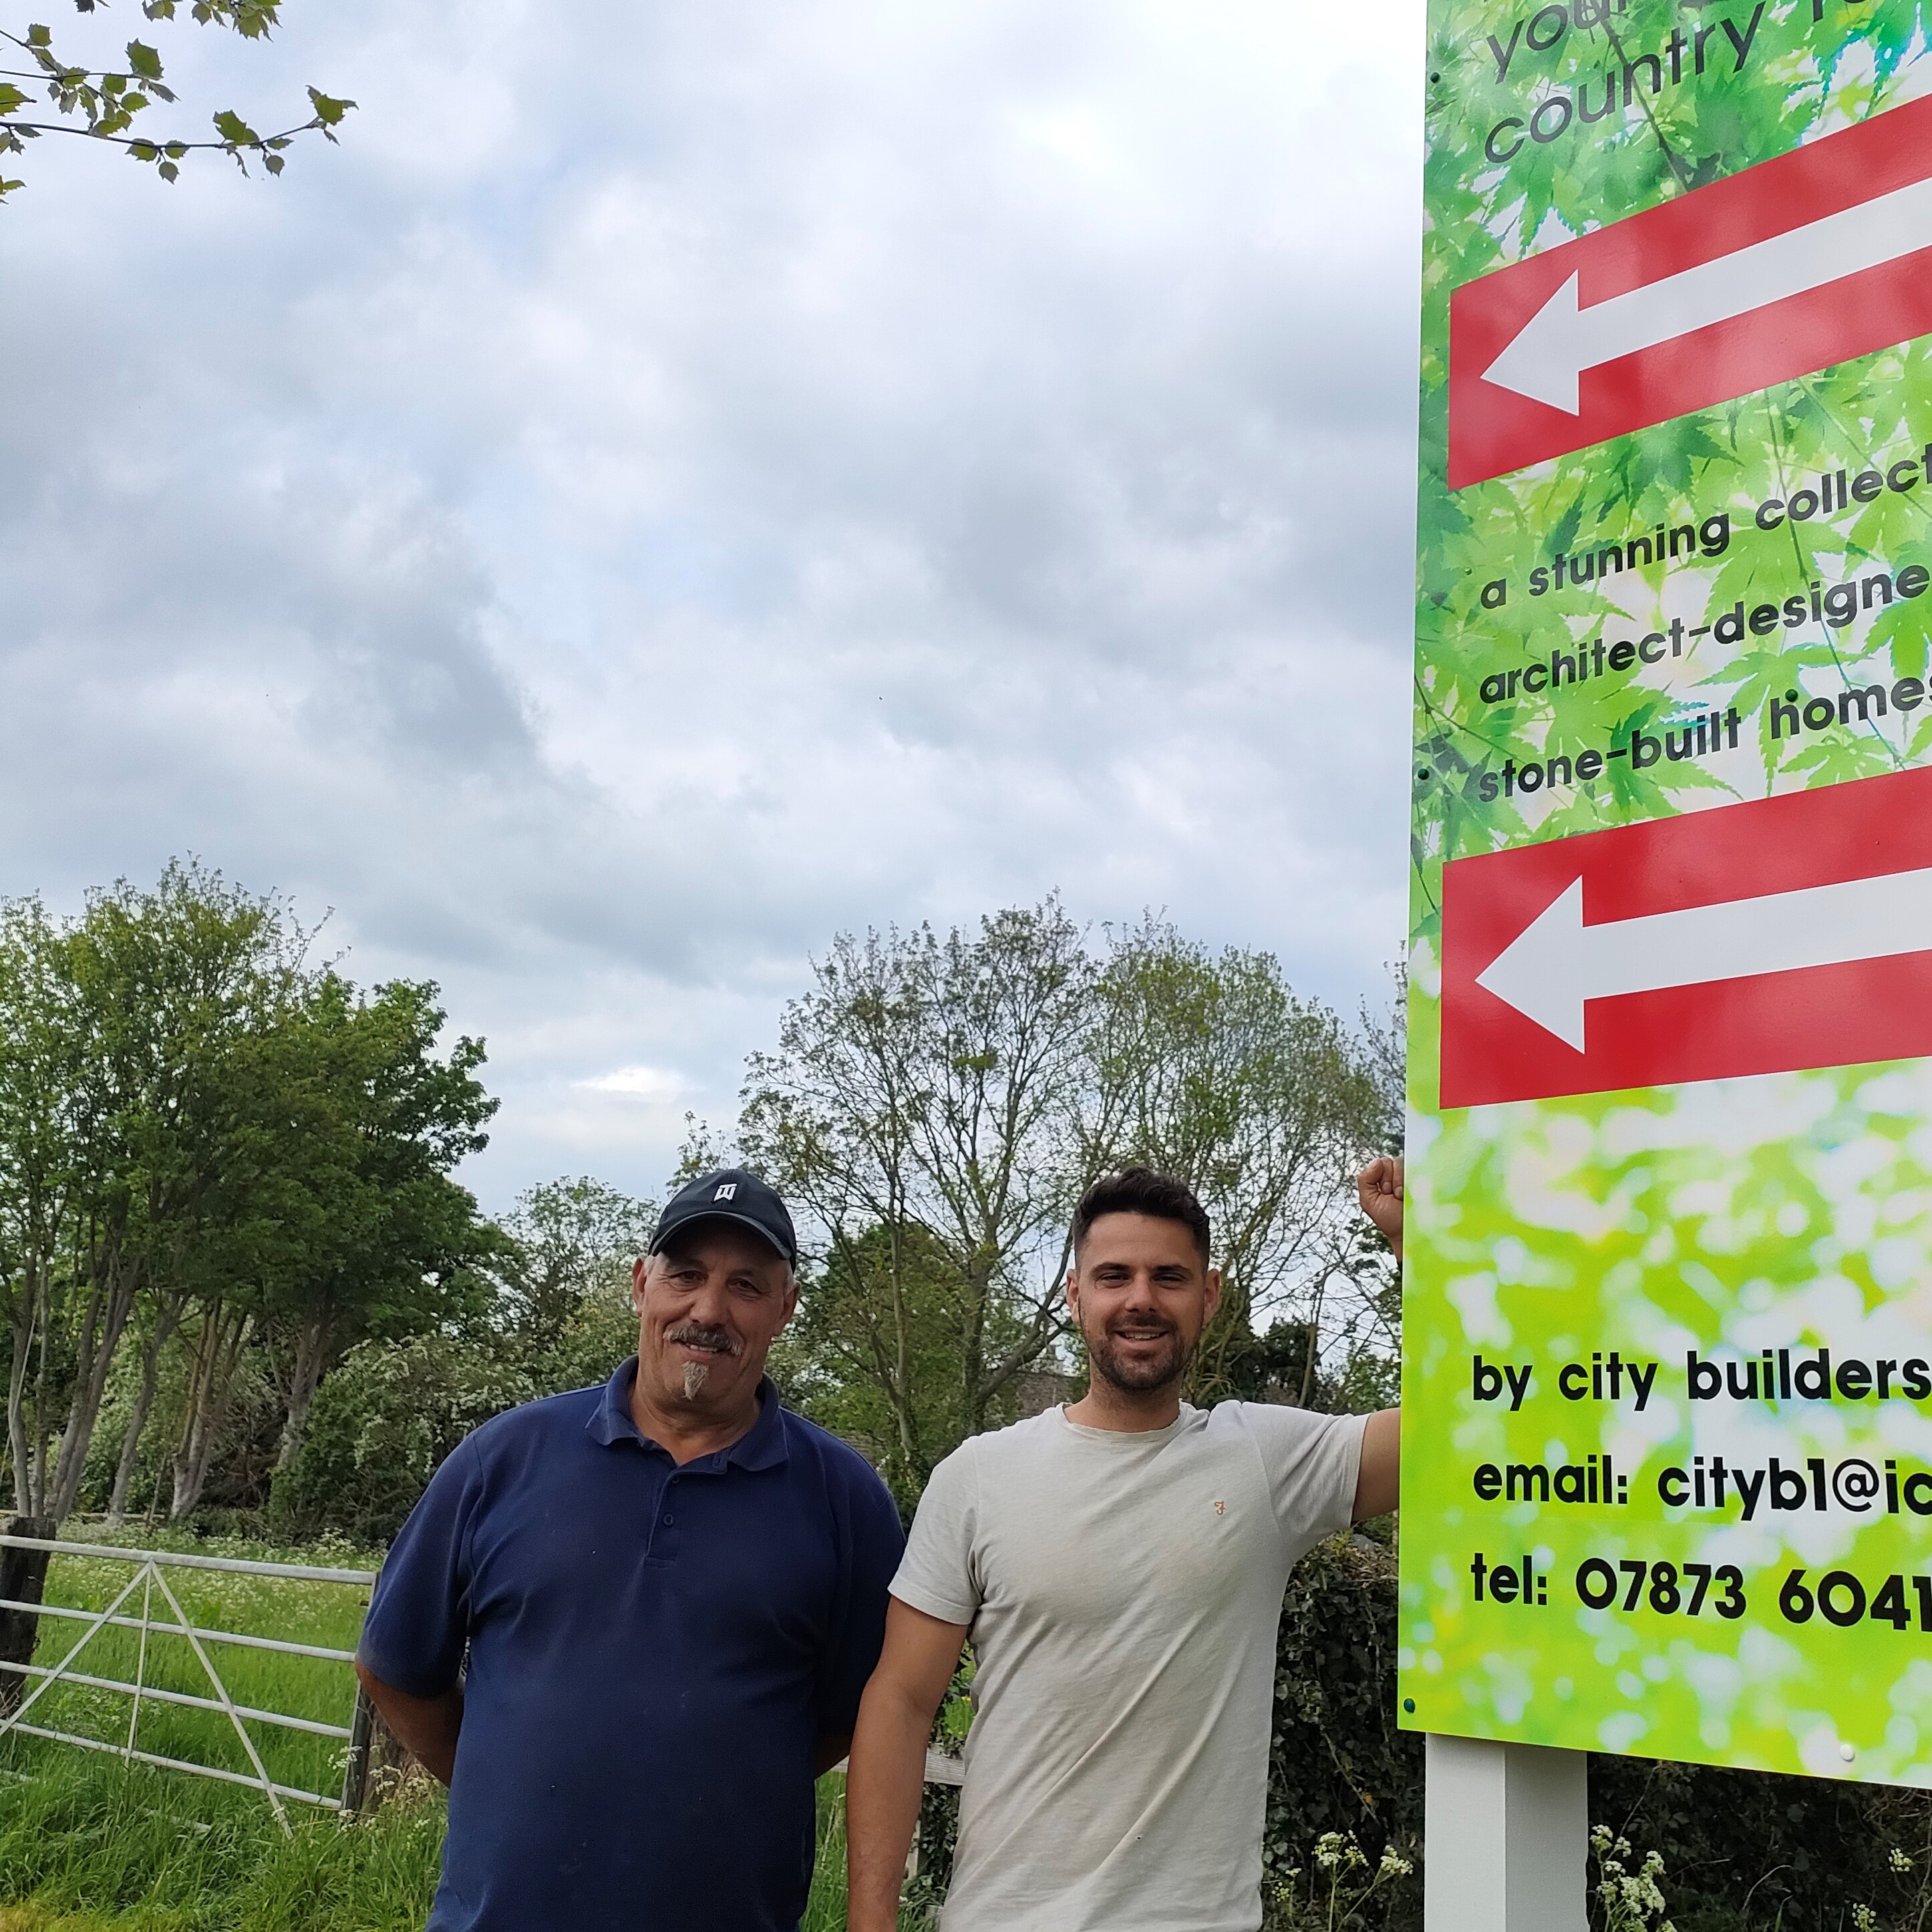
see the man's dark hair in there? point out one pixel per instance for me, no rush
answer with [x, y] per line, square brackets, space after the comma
[1140, 1190]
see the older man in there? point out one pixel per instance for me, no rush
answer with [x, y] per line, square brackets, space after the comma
[1119, 1564]
[669, 1590]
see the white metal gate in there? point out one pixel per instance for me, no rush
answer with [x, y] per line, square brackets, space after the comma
[150, 1580]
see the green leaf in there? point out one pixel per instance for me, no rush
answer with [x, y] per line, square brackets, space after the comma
[275, 164]
[10, 97]
[329, 110]
[143, 60]
[38, 37]
[235, 131]
[1564, 534]
[168, 171]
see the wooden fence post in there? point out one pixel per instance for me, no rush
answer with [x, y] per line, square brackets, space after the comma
[23, 1576]
[355, 1767]
[380, 1766]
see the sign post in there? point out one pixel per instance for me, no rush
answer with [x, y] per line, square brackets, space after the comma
[1508, 1826]
[1668, 1318]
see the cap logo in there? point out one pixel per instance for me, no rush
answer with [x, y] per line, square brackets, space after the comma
[727, 1192]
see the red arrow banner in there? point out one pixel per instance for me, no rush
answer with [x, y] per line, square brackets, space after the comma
[1764, 937]
[1816, 256]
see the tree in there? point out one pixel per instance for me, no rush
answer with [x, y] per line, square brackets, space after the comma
[353, 1226]
[40, 1172]
[386, 1419]
[183, 985]
[558, 1316]
[258, 1223]
[917, 1109]
[385, 1232]
[1209, 1066]
[209, 1145]
[122, 1121]
[848, 1353]
[571, 1241]
[1384, 1037]
[104, 103]
[936, 1107]
[217, 1339]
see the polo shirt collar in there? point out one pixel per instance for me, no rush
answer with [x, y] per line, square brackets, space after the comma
[763, 1446]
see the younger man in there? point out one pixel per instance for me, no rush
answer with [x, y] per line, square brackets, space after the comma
[1119, 1565]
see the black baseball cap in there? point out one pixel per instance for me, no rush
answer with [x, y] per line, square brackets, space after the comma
[729, 1194]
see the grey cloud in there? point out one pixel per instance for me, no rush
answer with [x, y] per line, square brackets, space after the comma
[678, 482]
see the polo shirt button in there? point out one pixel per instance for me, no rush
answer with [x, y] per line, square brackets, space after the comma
[669, 1520]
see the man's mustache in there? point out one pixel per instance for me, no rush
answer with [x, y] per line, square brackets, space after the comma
[701, 1335]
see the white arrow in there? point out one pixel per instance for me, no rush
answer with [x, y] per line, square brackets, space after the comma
[1561, 340]
[1556, 962]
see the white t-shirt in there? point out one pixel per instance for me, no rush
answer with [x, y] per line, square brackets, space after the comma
[1124, 1592]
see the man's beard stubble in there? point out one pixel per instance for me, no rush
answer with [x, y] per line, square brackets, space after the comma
[1142, 1377]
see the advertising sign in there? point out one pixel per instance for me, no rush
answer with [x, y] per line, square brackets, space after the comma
[1667, 1402]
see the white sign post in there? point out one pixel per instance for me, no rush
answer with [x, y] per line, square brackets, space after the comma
[1507, 1828]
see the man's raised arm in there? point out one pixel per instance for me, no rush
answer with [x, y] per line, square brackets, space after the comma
[1379, 1487]
[888, 1768]
[1378, 1187]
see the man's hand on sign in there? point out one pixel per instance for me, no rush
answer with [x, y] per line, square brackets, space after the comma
[1378, 1187]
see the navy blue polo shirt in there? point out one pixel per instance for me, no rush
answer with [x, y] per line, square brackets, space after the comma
[654, 1652]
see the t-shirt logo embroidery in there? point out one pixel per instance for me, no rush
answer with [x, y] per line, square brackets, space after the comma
[1220, 1509]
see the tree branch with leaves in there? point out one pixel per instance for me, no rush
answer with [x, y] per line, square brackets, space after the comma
[104, 104]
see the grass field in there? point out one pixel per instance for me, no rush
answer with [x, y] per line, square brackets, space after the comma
[89, 1844]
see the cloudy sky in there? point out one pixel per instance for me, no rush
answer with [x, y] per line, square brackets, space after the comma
[682, 479]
